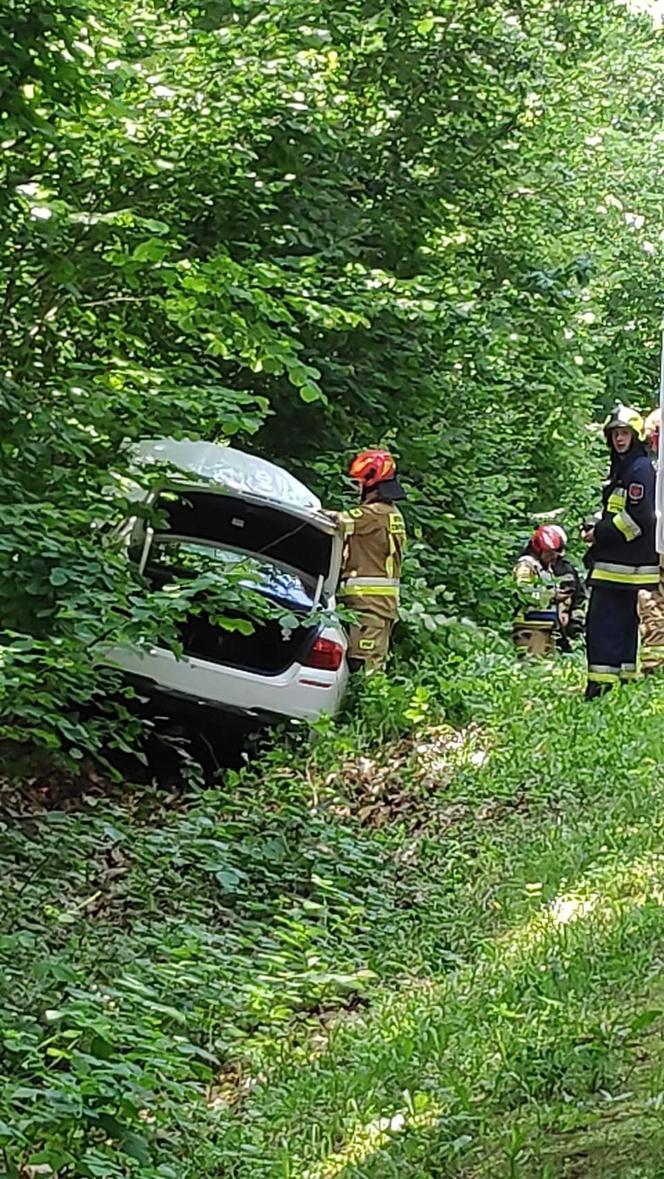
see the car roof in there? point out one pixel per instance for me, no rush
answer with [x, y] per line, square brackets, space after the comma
[229, 469]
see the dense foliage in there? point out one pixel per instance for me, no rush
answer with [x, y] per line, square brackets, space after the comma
[431, 225]
[395, 948]
[407, 951]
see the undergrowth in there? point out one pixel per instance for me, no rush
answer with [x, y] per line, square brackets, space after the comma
[404, 947]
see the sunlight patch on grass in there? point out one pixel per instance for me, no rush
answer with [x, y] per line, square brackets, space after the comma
[484, 991]
[366, 1140]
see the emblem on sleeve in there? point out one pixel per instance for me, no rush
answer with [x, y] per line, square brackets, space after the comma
[636, 491]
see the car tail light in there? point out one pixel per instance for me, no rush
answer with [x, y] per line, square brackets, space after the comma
[325, 654]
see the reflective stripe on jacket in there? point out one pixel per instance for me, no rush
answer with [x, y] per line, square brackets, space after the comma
[375, 538]
[624, 551]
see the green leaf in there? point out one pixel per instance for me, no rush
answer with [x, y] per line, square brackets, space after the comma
[229, 879]
[645, 1019]
[152, 250]
[137, 1147]
[311, 392]
[159, 227]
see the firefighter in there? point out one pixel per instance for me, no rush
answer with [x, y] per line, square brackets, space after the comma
[570, 595]
[374, 540]
[549, 595]
[651, 602]
[623, 558]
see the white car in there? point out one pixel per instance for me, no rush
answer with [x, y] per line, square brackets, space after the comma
[224, 506]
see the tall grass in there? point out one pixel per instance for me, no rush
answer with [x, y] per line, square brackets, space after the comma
[404, 948]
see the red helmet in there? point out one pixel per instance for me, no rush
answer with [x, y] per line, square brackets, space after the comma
[546, 539]
[372, 467]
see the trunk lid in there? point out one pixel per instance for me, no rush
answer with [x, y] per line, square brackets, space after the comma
[226, 497]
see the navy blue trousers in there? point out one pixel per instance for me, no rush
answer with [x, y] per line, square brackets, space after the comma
[612, 636]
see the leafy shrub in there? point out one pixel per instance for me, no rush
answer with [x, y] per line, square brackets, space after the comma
[276, 239]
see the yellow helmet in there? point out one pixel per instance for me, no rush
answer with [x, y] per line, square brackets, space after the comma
[624, 415]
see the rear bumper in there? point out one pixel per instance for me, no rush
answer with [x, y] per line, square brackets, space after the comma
[159, 698]
[299, 693]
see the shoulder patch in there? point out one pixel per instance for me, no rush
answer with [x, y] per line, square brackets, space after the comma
[636, 491]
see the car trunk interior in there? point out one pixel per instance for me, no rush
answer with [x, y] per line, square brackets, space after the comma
[253, 528]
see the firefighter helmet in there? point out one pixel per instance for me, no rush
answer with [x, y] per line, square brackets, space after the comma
[372, 467]
[625, 416]
[653, 425]
[561, 533]
[547, 539]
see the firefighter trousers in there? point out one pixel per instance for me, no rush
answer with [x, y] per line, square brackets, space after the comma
[651, 613]
[530, 640]
[612, 637]
[369, 641]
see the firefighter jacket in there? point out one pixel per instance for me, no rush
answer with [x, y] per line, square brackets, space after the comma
[624, 553]
[549, 598]
[535, 594]
[375, 538]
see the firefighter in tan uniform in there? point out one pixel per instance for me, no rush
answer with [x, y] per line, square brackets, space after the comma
[549, 596]
[651, 602]
[375, 537]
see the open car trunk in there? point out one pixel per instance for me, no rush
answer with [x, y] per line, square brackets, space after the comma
[269, 649]
[292, 561]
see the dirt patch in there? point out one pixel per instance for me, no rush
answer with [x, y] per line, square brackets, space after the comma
[407, 784]
[33, 785]
[397, 783]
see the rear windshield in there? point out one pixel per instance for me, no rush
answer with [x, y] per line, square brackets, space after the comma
[187, 558]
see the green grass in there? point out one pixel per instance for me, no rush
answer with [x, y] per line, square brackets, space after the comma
[405, 950]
